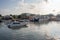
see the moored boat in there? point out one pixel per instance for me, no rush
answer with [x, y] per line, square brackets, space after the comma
[16, 24]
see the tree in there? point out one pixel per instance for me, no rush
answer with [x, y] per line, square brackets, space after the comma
[14, 16]
[11, 15]
[50, 15]
[58, 15]
[0, 15]
[24, 15]
[19, 16]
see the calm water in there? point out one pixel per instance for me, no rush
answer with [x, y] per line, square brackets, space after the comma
[33, 31]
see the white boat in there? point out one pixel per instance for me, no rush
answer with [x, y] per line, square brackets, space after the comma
[16, 24]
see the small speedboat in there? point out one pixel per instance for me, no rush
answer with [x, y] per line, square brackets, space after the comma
[16, 24]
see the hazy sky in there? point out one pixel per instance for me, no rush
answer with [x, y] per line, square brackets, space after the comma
[29, 6]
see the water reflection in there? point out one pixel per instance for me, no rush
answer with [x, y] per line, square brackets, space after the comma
[34, 31]
[16, 28]
[1, 25]
[39, 23]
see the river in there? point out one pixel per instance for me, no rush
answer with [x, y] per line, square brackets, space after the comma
[33, 31]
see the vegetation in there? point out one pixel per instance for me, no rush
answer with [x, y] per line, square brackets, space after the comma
[30, 16]
[0, 15]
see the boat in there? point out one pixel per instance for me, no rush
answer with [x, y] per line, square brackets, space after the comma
[16, 24]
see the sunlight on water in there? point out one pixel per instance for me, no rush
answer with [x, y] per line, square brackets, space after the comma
[52, 29]
[33, 31]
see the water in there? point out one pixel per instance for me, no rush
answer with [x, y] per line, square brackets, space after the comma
[33, 31]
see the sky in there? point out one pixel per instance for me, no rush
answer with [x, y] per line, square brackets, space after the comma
[41, 7]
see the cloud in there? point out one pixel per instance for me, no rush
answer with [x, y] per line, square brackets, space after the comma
[21, 8]
[32, 1]
[36, 8]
